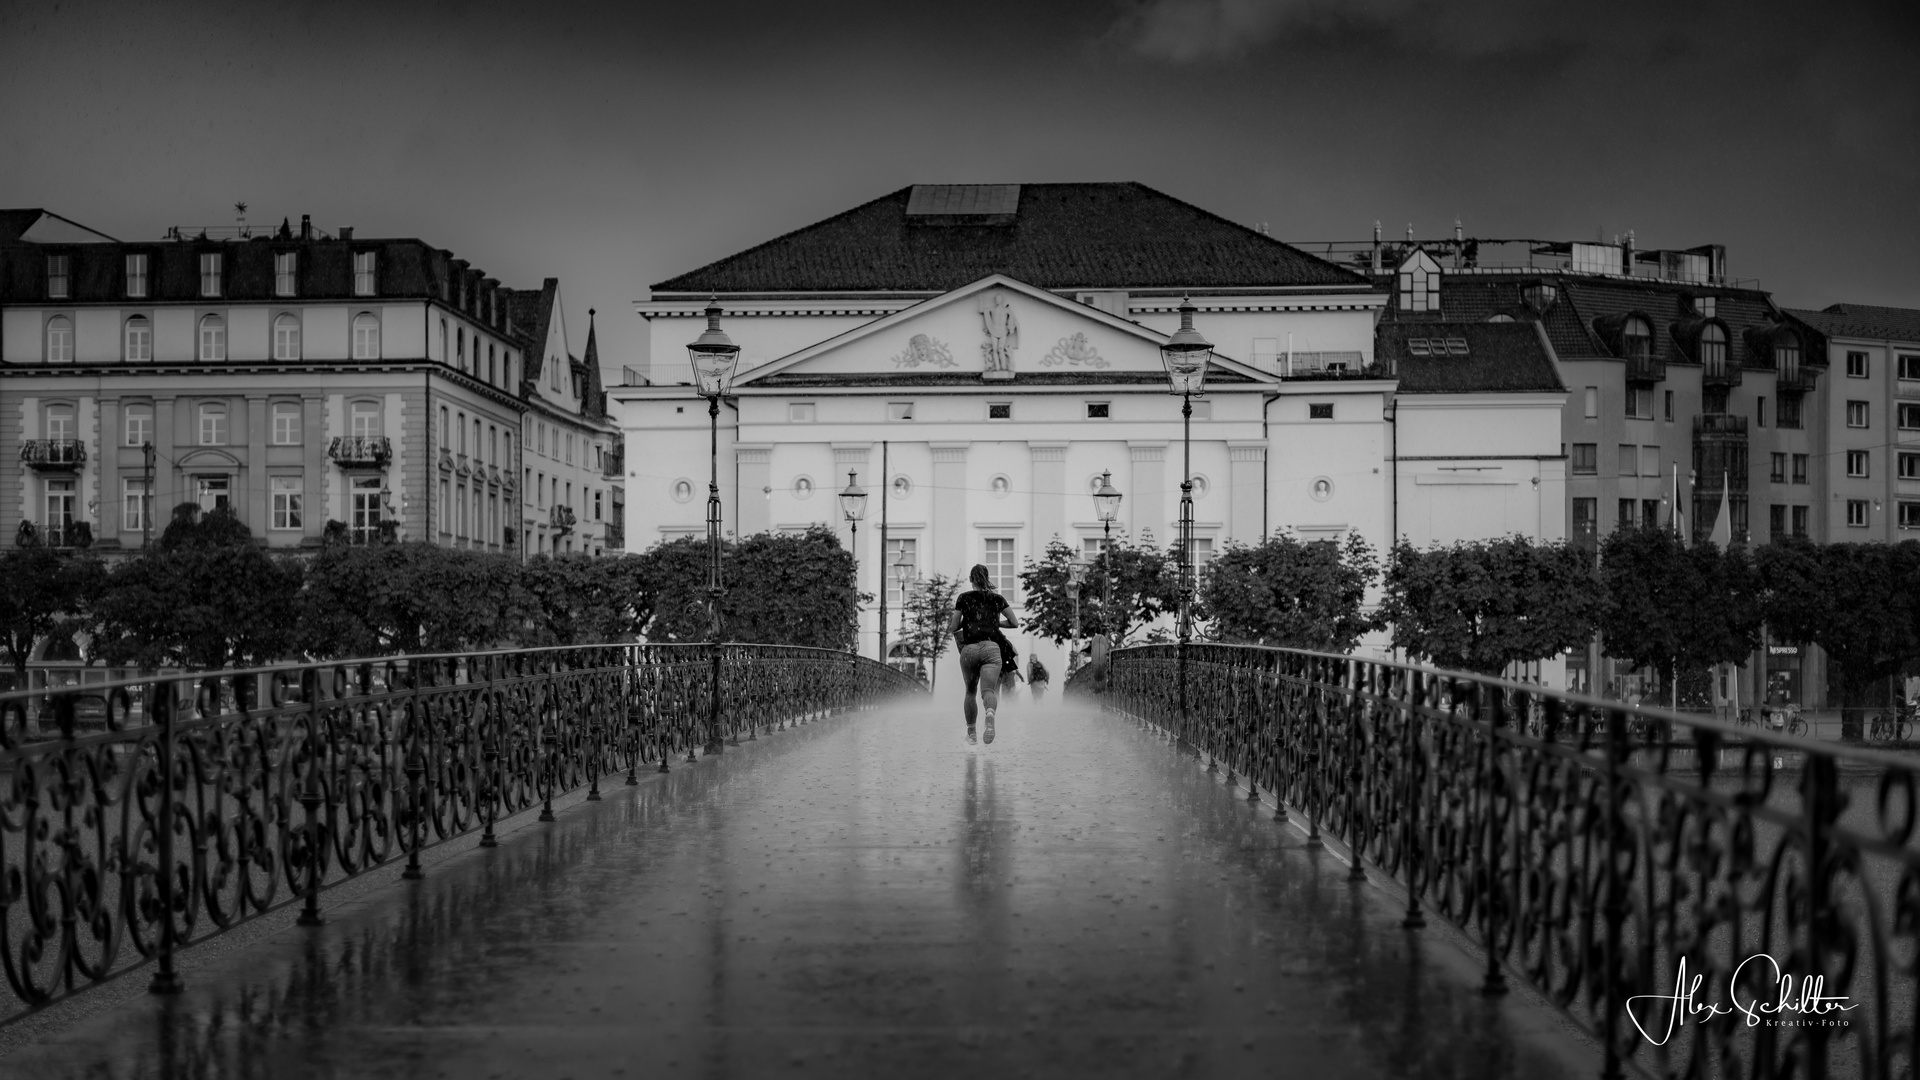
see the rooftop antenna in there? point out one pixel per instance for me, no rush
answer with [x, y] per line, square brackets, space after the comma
[240, 215]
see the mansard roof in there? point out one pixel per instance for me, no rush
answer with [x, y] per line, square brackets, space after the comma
[1863, 321]
[1057, 236]
[1470, 357]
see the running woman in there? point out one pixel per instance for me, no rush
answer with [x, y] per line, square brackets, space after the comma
[975, 623]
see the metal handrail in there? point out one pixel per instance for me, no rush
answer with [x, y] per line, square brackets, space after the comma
[139, 816]
[1587, 847]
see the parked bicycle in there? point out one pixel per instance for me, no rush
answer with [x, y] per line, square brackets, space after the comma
[1889, 727]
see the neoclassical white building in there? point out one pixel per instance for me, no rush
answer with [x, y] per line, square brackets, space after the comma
[997, 346]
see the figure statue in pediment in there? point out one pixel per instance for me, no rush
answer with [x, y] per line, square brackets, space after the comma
[1003, 335]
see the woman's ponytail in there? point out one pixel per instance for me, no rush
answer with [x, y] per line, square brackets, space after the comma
[980, 578]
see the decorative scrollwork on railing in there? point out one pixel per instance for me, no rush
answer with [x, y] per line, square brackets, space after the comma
[141, 816]
[1591, 848]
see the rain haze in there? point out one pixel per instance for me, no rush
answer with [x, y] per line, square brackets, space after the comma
[614, 145]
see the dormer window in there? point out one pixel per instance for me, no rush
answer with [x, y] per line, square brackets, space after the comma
[285, 263]
[1419, 283]
[1713, 349]
[59, 277]
[1636, 339]
[1786, 355]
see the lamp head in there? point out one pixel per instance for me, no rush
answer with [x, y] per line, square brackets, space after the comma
[853, 501]
[1186, 354]
[903, 570]
[1076, 573]
[713, 354]
[1106, 501]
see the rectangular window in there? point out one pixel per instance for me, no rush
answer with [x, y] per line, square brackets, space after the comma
[798, 412]
[284, 263]
[569, 448]
[1909, 366]
[1910, 515]
[136, 276]
[1629, 460]
[1650, 513]
[1779, 474]
[1593, 402]
[364, 508]
[1099, 410]
[899, 410]
[999, 410]
[59, 279]
[139, 425]
[1858, 413]
[1856, 365]
[139, 338]
[1639, 403]
[1000, 565]
[1856, 513]
[1669, 406]
[286, 502]
[213, 425]
[286, 423]
[60, 497]
[1909, 416]
[1857, 463]
[1786, 413]
[1760, 412]
[1799, 468]
[133, 504]
[1585, 513]
[365, 417]
[210, 273]
[1629, 513]
[1203, 410]
[1586, 459]
[1800, 521]
[1776, 521]
[363, 279]
[1649, 461]
[597, 509]
[898, 550]
[1910, 466]
[212, 492]
[1320, 410]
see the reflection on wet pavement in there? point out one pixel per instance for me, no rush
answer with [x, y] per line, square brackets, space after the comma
[865, 896]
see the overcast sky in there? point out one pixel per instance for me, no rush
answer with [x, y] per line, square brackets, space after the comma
[613, 145]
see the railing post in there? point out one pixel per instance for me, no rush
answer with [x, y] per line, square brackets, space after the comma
[1614, 913]
[311, 797]
[490, 737]
[1495, 982]
[165, 979]
[1359, 680]
[1410, 851]
[416, 780]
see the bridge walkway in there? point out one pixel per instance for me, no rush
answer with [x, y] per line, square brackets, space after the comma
[863, 896]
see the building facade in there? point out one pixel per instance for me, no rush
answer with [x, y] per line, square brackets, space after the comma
[571, 471]
[997, 347]
[1869, 454]
[304, 381]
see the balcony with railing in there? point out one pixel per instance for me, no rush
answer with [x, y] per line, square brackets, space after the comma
[54, 455]
[615, 537]
[613, 463]
[1645, 367]
[361, 451]
[61, 533]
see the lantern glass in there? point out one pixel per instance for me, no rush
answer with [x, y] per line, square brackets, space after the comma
[1106, 501]
[1186, 355]
[713, 355]
[853, 500]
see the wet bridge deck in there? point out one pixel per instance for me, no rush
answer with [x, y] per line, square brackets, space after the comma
[864, 896]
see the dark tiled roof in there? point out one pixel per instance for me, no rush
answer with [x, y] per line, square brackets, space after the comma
[532, 311]
[593, 396]
[1095, 236]
[1502, 358]
[15, 223]
[1215, 377]
[1863, 321]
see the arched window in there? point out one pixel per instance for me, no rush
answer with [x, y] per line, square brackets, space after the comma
[460, 348]
[286, 337]
[443, 427]
[1713, 349]
[60, 340]
[489, 364]
[366, 336]
[213, 338]
[139, 338]
[1636, 339]
[461, 421]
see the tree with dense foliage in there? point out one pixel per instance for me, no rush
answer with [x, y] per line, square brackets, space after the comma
[782, 588]
[1283, 591]
[1485, 605]
[379, 599]
[1677, 608]
[577, 600]
[1858, 602]
[1145, 586]
[209, 597]
[42, 591]
[929, 603]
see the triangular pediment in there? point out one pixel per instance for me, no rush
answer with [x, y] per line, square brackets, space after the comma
[995, 330]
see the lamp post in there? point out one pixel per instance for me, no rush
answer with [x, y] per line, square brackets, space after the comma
[1106, 504]
[902, 573]
[853, 506]
[1186, 355]
[1076, 574]
[713, 355]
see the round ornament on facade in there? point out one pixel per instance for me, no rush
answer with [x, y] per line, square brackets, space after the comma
[682, 491]
[1200, 486]
[803, 487]
[1000, 486]
[1322, 489]
[901, 487]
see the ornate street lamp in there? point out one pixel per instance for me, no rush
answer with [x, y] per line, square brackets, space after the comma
[1186, 355]
[1106, 504]
[853, 507]
[1076, 575]
[902, 573]
[713, 355]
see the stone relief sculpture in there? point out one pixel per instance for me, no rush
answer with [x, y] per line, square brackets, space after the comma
[922, 349]
[1003, 335]
[1074, 351]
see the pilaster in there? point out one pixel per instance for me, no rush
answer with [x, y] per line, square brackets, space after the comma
[1247, 491]
[1146, 502]
[947, 534]
[1049, 514]
[755, 464]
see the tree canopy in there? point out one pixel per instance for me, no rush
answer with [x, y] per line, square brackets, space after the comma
[1283, 591]
[1484, 605]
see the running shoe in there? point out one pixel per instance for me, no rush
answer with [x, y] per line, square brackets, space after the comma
[972, 738]
[989, 725]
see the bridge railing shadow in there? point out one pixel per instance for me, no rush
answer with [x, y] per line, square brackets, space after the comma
[140, 816]
[1599, 852]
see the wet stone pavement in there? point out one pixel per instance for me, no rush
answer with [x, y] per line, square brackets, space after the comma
[863, 896]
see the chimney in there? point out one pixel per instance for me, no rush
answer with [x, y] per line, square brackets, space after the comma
[1626, 256]
[306, 226]
[1376, 245]
[346, 234]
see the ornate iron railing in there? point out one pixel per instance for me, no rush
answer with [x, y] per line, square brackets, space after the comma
[1590, 848]
[138, 817]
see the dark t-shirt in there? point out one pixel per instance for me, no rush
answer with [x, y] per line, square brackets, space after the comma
[979, 615]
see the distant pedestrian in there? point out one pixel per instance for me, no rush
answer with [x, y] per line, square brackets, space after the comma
[1037, 677]
[975, 623]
